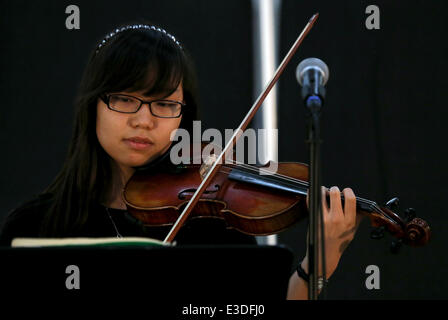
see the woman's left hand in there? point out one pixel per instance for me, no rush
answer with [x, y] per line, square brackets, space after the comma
[340, 224]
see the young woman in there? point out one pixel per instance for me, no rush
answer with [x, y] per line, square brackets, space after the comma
[137, 88]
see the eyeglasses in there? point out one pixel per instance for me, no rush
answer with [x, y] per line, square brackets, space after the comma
[129, 104]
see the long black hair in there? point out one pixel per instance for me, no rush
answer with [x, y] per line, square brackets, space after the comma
[138, 58]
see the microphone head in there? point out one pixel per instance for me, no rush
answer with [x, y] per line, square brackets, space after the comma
[312, 63]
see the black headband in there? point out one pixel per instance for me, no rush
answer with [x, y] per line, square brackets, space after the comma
[136, 26]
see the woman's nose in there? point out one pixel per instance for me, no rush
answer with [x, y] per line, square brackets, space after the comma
[144, 118]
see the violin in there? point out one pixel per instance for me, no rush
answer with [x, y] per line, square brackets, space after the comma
[249, 202]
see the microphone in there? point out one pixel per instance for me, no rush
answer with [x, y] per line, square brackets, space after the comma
[312, 74]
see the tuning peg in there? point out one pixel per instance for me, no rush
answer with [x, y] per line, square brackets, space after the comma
[395, 246]
[393, 204]
[409, 214]
[377, 233]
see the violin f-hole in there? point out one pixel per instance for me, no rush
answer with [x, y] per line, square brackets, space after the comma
[182, 195]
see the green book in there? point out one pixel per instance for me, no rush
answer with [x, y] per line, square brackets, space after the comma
[58, 242]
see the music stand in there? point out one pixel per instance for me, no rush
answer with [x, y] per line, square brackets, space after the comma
[180, 272]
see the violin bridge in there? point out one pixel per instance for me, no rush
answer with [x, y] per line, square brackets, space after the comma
[207, 164]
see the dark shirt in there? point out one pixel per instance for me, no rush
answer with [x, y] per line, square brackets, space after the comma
[25, 221]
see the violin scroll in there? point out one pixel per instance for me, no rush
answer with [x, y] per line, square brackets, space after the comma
[409, 230]
[418, 232]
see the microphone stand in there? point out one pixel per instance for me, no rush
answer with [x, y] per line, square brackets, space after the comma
[314, 103]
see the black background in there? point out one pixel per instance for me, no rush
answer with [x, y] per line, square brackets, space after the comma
[383, 124]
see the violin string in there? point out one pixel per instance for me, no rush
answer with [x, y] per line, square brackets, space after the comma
[259, 170]
[373, 206]
[283, 178]
[276, 175]
[296, 182]
[280, 177]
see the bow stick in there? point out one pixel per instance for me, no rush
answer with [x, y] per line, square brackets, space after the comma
[232, 141]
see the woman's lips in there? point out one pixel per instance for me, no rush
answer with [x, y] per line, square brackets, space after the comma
[137, 145]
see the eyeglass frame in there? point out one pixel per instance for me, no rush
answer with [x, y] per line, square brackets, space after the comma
[106, 99]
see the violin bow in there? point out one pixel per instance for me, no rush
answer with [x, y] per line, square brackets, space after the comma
[237, 133]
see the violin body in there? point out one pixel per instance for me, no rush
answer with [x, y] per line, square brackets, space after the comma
[248, 202]
[158, 198]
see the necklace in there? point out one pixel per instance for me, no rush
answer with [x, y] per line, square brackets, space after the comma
[113, 223]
